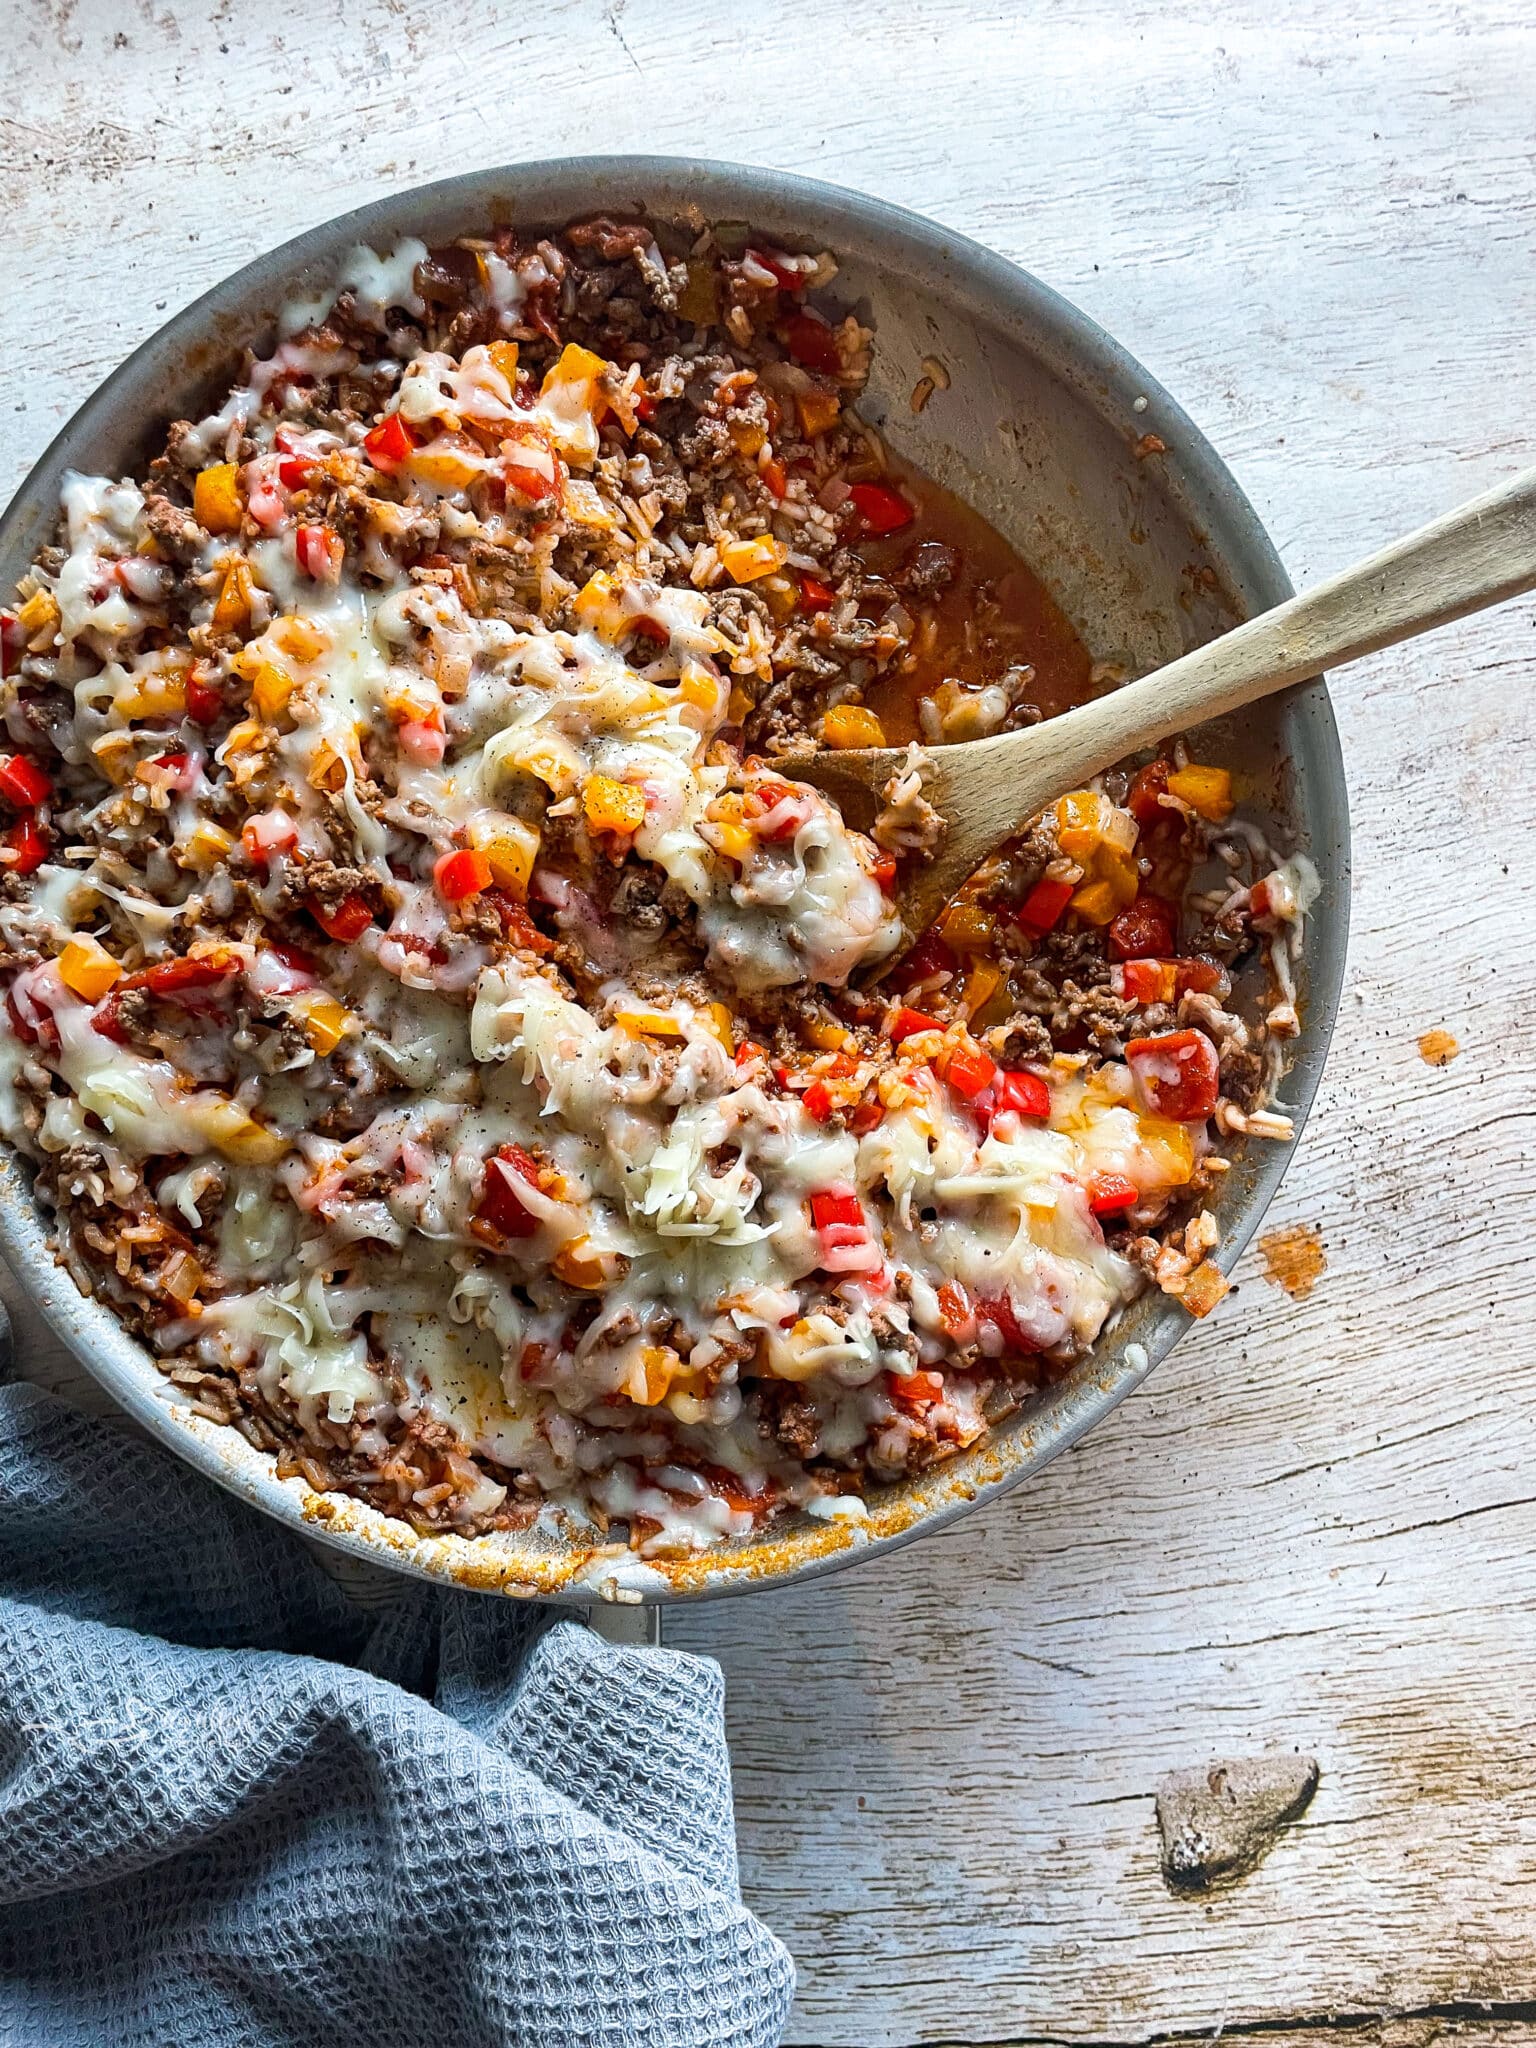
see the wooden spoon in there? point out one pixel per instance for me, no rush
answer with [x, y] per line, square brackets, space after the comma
[987, 790]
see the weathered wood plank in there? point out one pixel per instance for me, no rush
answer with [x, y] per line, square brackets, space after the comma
[1314, 1528]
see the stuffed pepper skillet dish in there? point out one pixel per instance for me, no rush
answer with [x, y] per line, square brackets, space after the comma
[444, 1031]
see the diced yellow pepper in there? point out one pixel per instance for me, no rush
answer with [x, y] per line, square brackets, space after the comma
[780, 595]
[612, 806]
[981, 985]
[818, 411]
[852, 725]
[298, 637]
[444, 467]
[116, 756]
[1207, 791]
[967, 928]
[1096, 902]
[238, 1136]
[511, 847]
[697, 300]
[216, 498]
[700, 689]
[581, 1264]
[205, 846]
[717, 1017]
[748, 435]
[38, 618]
[583, 502]
[270, 691]
[579, 370]
[232, 613]
[158, 693]
[1080, 819]
[1171, 1146]
[327, 769]
[649, 1023]
[325, 1022]
[657, 1367]
[88, 968]
[738, 706]
[504, 355]
[745, 560]
[1117, 869]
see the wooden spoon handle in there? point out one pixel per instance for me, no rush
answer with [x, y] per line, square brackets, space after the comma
[1476, 556]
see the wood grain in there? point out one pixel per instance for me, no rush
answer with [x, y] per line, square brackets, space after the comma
[1315, 1528]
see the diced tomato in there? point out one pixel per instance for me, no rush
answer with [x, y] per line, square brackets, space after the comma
[179, 770]
[880, 508]
[866, 1114]
[818, 1101]
[1144, 981]
[203, 701]
[389, 445]
[1149, 784]
[1109, 1193]
[815, 596]
[1177, 1076]
[837, 1207]
[917, 1389]
[531, 465]
[998, 1310]
[319, 552]
[23, 783]
[907, 1023]
[884, 872]
[1017, 1092]
[516, 924]
[500, 1208]
[954, 1309]
[928, 957]
[26, 844]
[462, 875]
[770, 795]
[1147, 926]
[346, 921]
[1203, 977]
[970, 1071]
[786, 278]
[812, 343]
[269, 832]
[423, 740]
[1041, 909]
[772, 474]
[1259, 904]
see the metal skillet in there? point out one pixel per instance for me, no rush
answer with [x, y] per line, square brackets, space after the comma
[1106, 489]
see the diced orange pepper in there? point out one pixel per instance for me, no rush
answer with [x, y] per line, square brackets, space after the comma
[88, 968]
[745, 560]
[1207, 791]
[852, 725]
[216, 498]
[612, 806]
[232, 612]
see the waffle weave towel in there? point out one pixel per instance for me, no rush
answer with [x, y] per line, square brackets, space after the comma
[234, 1809]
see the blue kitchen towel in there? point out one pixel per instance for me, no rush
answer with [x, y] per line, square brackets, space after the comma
[236, 1809]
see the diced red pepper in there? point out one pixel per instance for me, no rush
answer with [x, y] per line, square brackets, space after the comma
[1109, 1193]
[389, 445]
[645, 404]
[295, 959]
[773, 476]
[27, 845]
[23, 783]
[907, 1023]
[815, 596]
[880, 508]
[970, 1071]
[998, 1310]
[500, 1208]
[818, 1101]
[293, 471]
[928, 957]
[1041, 909]
[812, 343]
[1021, 1093]
[346, 921]
[269, 832]
[1147, 926]
[884, 872]
[13, 643]
[319, 552]
[786, 278]
[1144, 981]
[917, 1389]
[462, 875]
[533, 480]
[770, 795]
[203, 701]
[180, 770]
[835, 1208]
[954, 1309]
[1259, 904]
[1148, 785]
[1177, 1076]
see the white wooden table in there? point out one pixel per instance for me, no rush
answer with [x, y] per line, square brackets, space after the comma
[1316, 1529]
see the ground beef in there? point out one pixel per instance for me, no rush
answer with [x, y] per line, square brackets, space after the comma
[929, 569]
